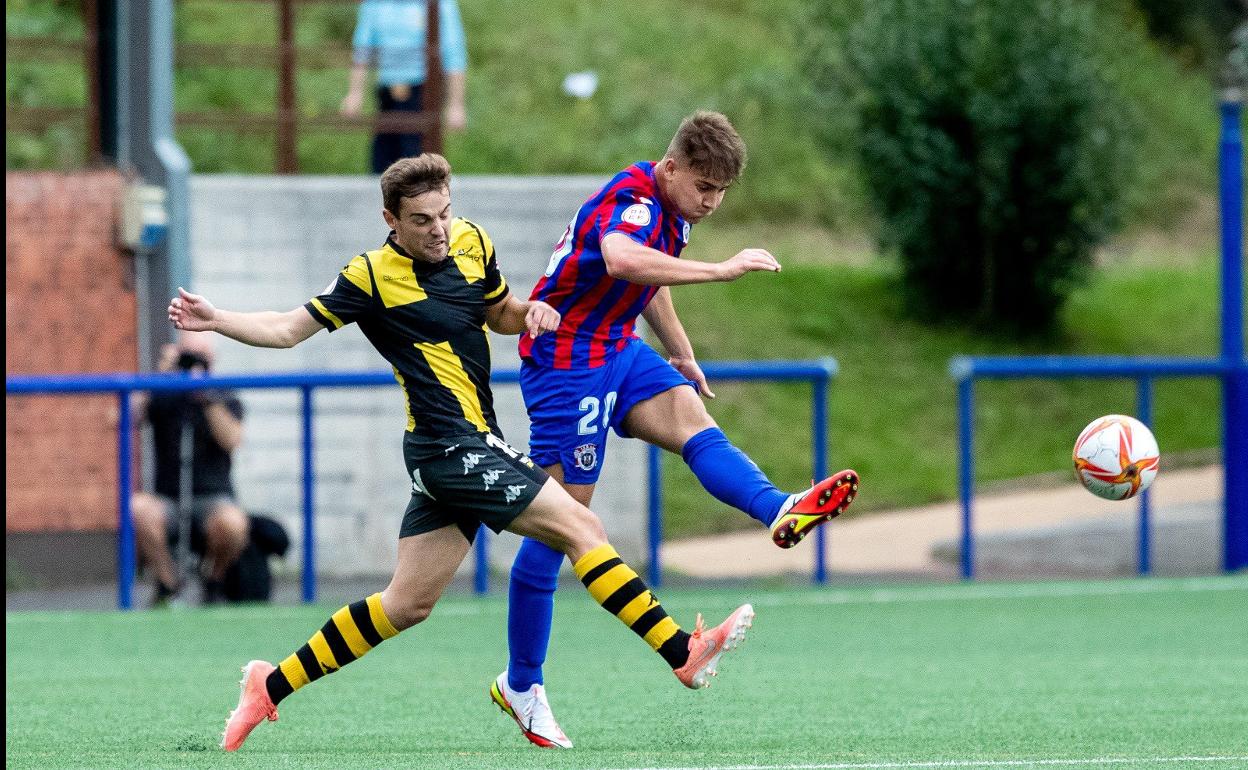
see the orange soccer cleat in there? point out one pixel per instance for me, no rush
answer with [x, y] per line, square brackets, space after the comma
[254, 705]
[706, 647]
[822, 502]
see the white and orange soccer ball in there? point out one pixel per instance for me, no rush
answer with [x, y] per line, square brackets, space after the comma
[1116, 457]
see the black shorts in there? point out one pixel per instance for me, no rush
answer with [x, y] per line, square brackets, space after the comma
[466, 480]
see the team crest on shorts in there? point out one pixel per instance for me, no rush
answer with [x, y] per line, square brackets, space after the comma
[586, 456]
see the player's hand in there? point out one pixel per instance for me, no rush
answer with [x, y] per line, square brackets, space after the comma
[690, 369]
[191, 312]
[541, 318]
[747, 261]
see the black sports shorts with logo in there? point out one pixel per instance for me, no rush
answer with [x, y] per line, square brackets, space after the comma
[466, 480]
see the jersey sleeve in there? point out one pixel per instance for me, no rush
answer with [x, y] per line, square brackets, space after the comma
[632, 214]
[347, 299]
[495, 285]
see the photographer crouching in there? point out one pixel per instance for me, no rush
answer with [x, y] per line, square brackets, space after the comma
[194, 435]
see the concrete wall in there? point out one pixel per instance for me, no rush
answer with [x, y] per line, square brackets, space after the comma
[271, 243]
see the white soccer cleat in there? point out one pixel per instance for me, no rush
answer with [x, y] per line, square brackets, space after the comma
[532, 713]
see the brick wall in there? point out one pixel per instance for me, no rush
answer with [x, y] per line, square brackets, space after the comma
[69, 308]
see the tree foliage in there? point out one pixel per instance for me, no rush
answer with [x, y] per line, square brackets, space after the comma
[995, 150]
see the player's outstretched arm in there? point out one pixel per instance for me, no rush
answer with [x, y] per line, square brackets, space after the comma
[266, 329]
[628, 260]
[515, 316]
[661, 315]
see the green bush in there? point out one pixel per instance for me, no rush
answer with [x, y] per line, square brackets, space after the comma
[995, 150]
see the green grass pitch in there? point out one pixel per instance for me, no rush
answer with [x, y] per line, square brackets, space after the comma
[1130, 673]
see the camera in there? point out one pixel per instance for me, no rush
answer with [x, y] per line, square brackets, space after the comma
[188, 361]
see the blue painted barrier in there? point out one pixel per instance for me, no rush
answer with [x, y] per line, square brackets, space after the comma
[1231, 367]
[966, 369]
[819, 373]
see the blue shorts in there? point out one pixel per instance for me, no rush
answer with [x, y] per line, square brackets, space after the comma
[570, 410]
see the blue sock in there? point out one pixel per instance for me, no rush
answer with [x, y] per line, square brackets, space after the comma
[731, 477]
[531, 606]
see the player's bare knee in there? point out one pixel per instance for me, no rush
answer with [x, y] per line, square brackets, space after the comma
[587, 531]
[406, 613]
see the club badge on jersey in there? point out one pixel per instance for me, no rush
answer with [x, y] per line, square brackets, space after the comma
[586, 456]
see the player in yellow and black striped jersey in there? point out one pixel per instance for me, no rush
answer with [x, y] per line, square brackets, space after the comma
[424, 300]
[428, 320]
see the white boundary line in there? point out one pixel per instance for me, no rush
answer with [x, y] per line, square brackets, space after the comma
[1093, 761]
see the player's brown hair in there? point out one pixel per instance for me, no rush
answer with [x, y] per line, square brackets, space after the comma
[409, 177]
[707, 142]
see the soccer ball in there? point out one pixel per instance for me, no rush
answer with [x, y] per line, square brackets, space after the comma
[1116, 457]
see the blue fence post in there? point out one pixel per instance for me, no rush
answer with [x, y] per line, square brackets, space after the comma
[1235, 379]
[966, 470]
[481, 576]
[819, 441]
[1144, 409]
[125, 522]
[655, 511]
[309, 501]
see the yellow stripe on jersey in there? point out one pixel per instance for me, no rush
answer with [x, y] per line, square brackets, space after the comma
[471, 264]
[396, 283]
[450, 372]
[356, 272]
[320, 307]
[407, 402]
[502, 287]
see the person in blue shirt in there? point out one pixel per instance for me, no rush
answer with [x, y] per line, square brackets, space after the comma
[390, 35]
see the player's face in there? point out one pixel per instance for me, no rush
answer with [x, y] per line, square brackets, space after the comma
[693, 194]
[423, 227]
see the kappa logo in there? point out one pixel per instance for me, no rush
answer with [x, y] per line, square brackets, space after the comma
[403, 277]
[418, 485]
[637, 214]
[513, 492]
[470, 461]
[586, 456]
[685, 237]
[491, 476]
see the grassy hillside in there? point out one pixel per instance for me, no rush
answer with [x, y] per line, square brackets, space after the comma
[893, 407]
[747, 57]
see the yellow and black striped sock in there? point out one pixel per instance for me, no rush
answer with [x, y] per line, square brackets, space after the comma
[615, 586]
[350, 632]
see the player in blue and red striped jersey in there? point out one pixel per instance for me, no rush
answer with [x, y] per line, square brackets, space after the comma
[615, 262]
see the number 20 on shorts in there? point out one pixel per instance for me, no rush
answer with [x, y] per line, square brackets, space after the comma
[591, 407]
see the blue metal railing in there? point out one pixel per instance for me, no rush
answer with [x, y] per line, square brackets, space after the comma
[1231, 367]
[819, 373]
[965, 370]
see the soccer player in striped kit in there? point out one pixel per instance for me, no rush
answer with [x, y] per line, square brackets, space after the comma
[424, 300]
[615, 262]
